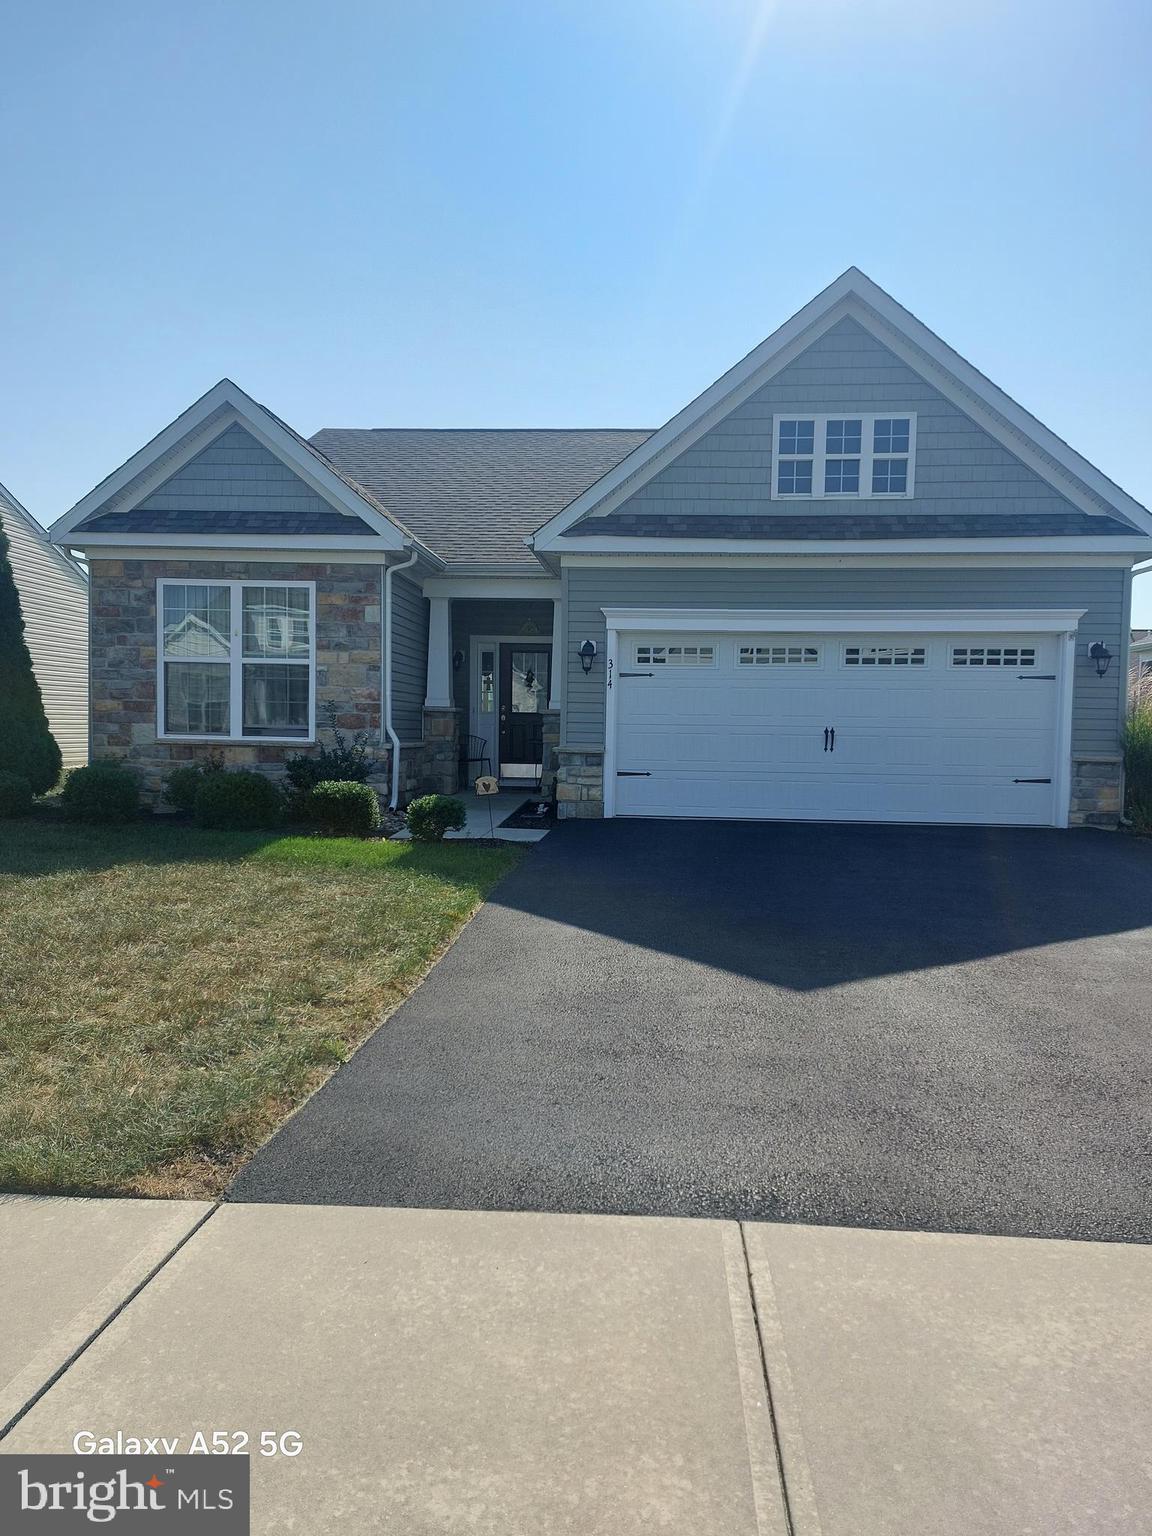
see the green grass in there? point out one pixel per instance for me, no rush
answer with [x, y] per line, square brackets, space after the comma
[170, 994]
[1138, 758]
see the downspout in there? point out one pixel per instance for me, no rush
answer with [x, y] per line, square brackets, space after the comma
[386, 574]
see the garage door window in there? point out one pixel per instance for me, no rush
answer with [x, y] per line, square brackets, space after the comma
[675, 655]
[885, 656]
[993, 656]
[779, 656]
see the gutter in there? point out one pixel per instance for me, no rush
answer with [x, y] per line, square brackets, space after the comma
[386, 574]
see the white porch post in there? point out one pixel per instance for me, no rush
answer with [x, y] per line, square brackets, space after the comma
[559, 660]
[439, 653]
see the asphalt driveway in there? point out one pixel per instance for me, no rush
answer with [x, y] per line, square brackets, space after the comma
[931, 1028]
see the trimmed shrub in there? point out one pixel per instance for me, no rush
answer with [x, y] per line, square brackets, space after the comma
[237, 801]
[27, 746]
[101, 792]
[345, 810]
[1138, 759]
[433, 815]
[345, 762]
[183, 784]
[15, 794]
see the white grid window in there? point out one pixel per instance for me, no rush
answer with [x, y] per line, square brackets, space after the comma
[821, 456]
[885, 656]
[675, 655]
[779, 656]
[993, 656]
[236, 660]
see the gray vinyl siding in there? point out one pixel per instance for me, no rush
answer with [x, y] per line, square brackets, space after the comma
[409, 658]
[54, 603]
[1100, 591]
[491, 616]
[959, 469]
[235, 473]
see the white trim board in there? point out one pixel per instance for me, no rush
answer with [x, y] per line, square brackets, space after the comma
[856, 295]
[732, 621]
[842, 562]
[1137, 546]
[529, 587]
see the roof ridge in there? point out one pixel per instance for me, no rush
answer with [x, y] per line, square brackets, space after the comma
[482, 429]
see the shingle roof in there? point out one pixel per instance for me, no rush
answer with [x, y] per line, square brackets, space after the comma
[475, 493]
[848, 525]
[190, 520]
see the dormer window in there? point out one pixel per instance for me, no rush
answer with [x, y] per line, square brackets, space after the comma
[822, 456]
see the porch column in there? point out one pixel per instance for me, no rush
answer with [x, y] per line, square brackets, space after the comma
[559, 659]
[439, 694]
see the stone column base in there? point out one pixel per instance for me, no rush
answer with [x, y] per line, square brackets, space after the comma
[579, 784]
[442, 751]
[1097, 791]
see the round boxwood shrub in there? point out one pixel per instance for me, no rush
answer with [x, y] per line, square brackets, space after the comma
[344, 809]
[15, 794]
[183, 784]
[101, 792]
[433, 815]
[237, 800]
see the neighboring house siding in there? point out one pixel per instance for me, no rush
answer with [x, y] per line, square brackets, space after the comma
[959, 469]
[1101, 591]
[235, 473]
[54, 602]
[124, 659]
[409, 659]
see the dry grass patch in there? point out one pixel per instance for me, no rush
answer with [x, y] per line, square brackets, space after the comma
[170, 994]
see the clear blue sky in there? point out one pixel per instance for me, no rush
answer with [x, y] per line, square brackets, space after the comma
[544, 213]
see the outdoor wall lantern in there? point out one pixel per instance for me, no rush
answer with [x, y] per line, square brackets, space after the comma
[457, 660]
[1101, 655]
[587, 654]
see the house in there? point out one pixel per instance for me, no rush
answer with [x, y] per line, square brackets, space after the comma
[1140, 654]
[53, 592]
[852, 580]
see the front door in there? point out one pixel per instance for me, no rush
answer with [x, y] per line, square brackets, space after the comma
[524, 686]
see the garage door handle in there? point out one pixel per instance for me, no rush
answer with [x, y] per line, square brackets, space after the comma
[832, 742]
[825, 738]
[632, 773]
[1035, 677]
[1031, 781]
[637, 674]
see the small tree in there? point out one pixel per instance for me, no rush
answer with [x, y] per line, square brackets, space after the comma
[27, 746]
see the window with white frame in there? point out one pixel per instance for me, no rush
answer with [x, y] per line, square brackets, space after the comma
[236, 660]
[778, 656]
[843, 456]
[885, 656]
[993, 656]
[675, 655]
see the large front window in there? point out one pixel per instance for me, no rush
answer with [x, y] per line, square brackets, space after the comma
[237, 659]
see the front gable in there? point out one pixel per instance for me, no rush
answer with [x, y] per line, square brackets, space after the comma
[225, 470]
[234, 485]
[979, 466]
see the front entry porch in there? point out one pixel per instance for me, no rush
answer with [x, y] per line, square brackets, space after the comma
[493, 685]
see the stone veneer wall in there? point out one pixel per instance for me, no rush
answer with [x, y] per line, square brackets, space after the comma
[579, 784]
[551, 735]
[1097, 791]
[123, 631]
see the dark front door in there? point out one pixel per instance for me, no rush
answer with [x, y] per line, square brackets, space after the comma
[524, 685]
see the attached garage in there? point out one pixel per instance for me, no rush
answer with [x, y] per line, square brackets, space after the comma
[941, 717]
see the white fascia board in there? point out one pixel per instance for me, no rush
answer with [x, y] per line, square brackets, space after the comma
[856, 295]
[843, 562]
[209, 541]
[348, 552]
[492, 586]
[846, 620]
[223, 405]
[1136, 547]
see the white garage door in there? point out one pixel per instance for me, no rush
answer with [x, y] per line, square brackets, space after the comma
[838, 727]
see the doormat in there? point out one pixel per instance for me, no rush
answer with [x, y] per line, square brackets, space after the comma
[533, 813]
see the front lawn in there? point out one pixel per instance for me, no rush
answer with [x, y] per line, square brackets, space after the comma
[167, 995]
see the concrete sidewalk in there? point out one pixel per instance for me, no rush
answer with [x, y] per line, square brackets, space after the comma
[512, 1373]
